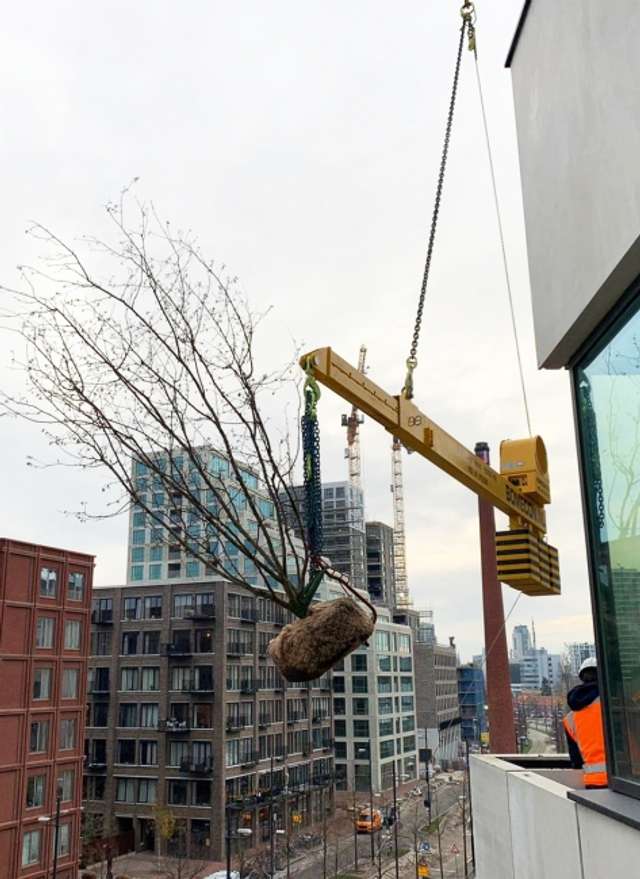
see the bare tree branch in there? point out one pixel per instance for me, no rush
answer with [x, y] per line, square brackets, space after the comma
[140, 361]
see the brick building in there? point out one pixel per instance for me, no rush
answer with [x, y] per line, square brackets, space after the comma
[45, 596]
[187, 712]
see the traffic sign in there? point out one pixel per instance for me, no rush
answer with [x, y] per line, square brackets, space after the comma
[454, 849]
[423, 870]
[424, 848]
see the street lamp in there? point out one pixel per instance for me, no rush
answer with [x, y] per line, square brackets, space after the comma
[46, 819]
[241, 833]
[364, 752]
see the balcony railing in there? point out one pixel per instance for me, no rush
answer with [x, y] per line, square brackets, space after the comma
[248, 689]
[178, 651]
[318, 718]
[202, 767]
[175, 727]
[96, 765]
[250, 759]
[248, 616]
[98, 691]
[197, 687]
[234, 725]
[264, 720]
[102, 617]
[202, 613]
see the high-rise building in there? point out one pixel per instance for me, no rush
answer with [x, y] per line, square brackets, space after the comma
[577, 653]
[471, 697]
[540, 669]
[343, 528]
[521, 641]
[437, 698]
[187, 712]
[374, 708]
[45, 596]
[380, 571]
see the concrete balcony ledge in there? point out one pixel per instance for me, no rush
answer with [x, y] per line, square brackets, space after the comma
[532, 819]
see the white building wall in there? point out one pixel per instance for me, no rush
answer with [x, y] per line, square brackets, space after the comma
[575, 75]
[525, 827]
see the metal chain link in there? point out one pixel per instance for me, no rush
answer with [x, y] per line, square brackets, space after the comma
[312, 477]
[412, 360]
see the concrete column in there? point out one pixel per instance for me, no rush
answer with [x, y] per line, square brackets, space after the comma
[502, 735]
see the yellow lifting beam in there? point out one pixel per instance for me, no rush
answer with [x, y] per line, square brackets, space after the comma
[520, 490]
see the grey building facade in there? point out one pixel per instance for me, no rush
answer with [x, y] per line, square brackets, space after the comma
[437, 699]
[380, 571]
[186, 711]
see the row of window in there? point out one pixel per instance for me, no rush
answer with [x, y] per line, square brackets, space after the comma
[32, 844]
[49, 584]
[384, 683]
[43, 681]
[394, 642]
[386, 727]
[386, 705]
[40, 734]
[36, 788]
[359, 662]
[187, 604]
[45, 633]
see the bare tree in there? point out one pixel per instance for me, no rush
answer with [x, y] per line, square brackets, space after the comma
[140, 361]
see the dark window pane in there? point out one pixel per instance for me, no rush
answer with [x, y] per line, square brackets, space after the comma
[608, 402]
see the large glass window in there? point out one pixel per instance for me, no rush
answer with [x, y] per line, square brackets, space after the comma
[607, 394]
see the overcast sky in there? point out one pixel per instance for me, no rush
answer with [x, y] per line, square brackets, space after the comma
[301, 142]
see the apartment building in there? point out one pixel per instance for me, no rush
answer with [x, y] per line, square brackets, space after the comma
[344, 534]
[44, 641]
[438, 706]
[374, 711]
[187, 712]
[380, 571]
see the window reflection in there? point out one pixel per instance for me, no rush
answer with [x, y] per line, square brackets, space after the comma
[608, 401]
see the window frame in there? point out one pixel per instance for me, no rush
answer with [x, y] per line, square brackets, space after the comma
[619, 317]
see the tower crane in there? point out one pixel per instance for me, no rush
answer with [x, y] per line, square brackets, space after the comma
[399, 542]
[352, 422]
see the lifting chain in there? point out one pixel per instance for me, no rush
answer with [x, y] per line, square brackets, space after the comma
[468, 28]
[312, 479]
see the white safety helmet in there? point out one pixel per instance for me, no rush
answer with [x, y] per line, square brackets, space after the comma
[590, 662]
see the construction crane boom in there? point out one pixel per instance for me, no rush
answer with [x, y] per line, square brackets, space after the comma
[399, 540]
[352, 422]
[520, 490]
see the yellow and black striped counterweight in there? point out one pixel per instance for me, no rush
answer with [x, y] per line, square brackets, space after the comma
[527, 563]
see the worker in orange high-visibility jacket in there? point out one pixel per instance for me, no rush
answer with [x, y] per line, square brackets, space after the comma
[583, 727]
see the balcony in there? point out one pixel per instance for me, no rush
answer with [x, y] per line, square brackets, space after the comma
[177, 651]
[204, 613]
[249, 689]
[234, 725]
[195, 688]
[99, 692]
[175, 727]
[102, 617]
[250, 759]
[95, 765]
[204, 767]
[533, 817]
[235, 648]
[263, 721]
[249, 616]
[295, 717]
[318, 718]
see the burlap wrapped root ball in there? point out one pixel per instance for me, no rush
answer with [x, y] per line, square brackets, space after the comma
[308, 648]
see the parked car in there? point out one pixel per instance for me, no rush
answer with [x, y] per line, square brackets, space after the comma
[364, 823]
